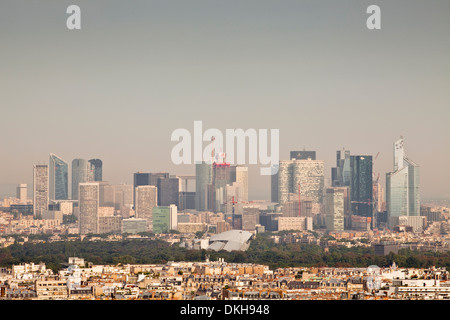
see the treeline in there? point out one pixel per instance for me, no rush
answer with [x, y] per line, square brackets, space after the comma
[262, 251]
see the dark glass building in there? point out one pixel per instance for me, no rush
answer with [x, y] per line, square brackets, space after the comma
[97, 165]
[361, 186]
[168, 191]
[303, 155]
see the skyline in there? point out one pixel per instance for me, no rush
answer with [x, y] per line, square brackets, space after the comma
[116, 89]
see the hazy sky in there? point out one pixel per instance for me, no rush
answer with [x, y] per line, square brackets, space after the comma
[137, 70]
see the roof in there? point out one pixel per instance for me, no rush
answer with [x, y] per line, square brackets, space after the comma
[232, 240]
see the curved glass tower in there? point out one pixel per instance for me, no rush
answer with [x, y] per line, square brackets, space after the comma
[81, 172]
[58, 178]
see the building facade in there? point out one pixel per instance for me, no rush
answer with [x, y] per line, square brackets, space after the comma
[89, 207]
[58, 178]
[146, 200]
[40, 189]
[403, 185]
[97, 167]
[301, 177]
[81, 172]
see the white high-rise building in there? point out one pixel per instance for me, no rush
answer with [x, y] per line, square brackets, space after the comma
[146, 199]
[89, 207]
[40, 189]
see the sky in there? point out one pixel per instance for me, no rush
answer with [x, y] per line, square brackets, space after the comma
[138, 70]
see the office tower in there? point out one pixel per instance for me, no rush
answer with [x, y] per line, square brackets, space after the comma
[221, 178]
[304, 175]
[361, 186]
[97, 167]
[58, 178]
[250, 218]
[40, 189]
[341, 174]
[146, 199]
[168, 191]
[22, 193]
[88, 207]
[106, 194]
[302, 155]
[378, 197]
[123, 196]
[403, 185]
[81, 172]
[203, 178]
[239, 176]
[187, 192]
[139, 179]
[147, 179]
[164, 219]
[334, 209]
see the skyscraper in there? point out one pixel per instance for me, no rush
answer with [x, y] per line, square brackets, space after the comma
[147, 179]
[89, 207]
[40, 189]
[341, 174]
[168, 191]
[403, 185]
[203, 178]
[361, 186]
[22, 193]
[334, 209]
[304, 175]
[146, 199]
[58, 178]
[81, 172]
[97, 167]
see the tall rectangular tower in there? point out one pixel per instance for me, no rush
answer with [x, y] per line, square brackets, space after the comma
[203, 178]
[40, 189]
[334, 209]
[89, 207]
[308, 176]
[361, 186]
[146, 199]
[97, 167]
[81, 172]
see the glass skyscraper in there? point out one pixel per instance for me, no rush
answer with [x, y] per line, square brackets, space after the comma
[341, 174]
[403, 185]
[81, 172]
[308, 174]
[58, 178]
[97, 165]
[361, 186]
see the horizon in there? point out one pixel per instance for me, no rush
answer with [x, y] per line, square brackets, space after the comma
[116, 89]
